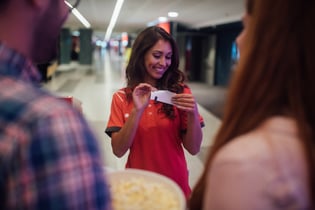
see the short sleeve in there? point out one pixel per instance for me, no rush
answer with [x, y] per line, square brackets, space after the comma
[235, 184]
[238, 179]
[116, 118]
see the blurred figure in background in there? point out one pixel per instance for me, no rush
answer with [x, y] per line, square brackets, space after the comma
[49, 158]
[155, 132]
[263, 154]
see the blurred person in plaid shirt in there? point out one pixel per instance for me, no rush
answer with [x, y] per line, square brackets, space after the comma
[49, 157]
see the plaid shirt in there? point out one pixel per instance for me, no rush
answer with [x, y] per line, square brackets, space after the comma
[49, 158]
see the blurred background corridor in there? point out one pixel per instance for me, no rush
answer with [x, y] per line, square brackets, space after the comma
[93, 85]
[94, 52]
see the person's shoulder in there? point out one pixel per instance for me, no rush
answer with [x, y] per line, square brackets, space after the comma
[31, 102]
[184, 85]
[47, 105]
[268, 159]
[122, 93]
[251, 146]
[262, 143]
[186, 88]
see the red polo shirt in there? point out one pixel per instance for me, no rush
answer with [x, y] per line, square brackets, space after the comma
[157, 145]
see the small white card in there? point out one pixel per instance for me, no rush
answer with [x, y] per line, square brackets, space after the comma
[163, 96]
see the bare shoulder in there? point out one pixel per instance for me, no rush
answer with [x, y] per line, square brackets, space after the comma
[274, 136]
[250, 146]
[269, 161]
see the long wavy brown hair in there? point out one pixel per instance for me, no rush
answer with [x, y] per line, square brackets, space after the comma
[276, 72]
[136, 71]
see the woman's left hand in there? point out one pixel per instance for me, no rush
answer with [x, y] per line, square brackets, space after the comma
[185, 102]
[193, 136]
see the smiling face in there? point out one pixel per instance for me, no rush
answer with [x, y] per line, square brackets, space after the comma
[157, 60]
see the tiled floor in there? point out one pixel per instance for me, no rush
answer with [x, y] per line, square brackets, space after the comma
[94, 85]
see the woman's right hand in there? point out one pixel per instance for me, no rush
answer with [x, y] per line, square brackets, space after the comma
[141, 96]
[122, 140]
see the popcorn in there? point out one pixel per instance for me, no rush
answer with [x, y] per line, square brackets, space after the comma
[137, 193]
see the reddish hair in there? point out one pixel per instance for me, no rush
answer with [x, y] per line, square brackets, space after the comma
[274, 77]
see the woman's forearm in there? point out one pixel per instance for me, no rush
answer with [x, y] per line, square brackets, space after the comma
[122, 140]
[193, 137]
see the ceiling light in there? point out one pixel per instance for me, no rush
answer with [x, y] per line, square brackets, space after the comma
[78, 15]
[162, 19]
[113, 19]
[75, 33]
[81, 18]
[172, 14]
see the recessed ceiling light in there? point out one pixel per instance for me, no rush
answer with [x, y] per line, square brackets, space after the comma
[162, 19]
[172, 14]
[75, 33]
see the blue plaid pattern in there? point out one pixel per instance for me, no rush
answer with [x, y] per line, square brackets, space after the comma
[49, 158]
